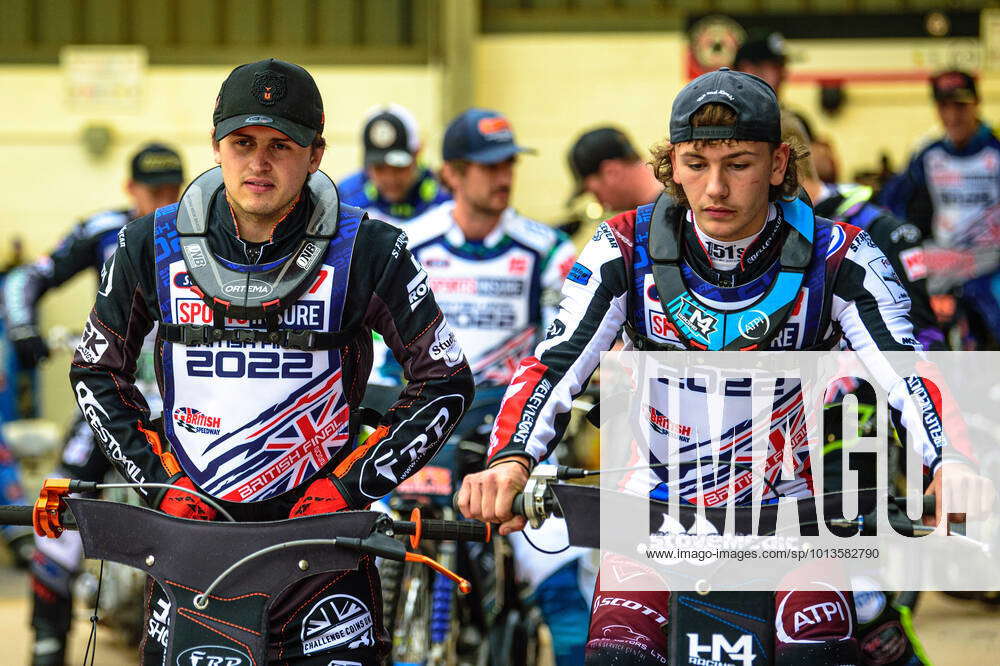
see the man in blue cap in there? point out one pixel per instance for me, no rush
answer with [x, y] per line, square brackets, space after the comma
[496, 275]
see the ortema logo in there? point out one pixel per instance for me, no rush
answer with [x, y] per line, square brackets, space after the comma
[255, 288]
[309, 251]
[741, 651]
[445, 346]
[416, 288]
[753, 325]
[92, 344]
[194, 421]
[92, 411]
[195, 256]
[213, 655]
[337, 620]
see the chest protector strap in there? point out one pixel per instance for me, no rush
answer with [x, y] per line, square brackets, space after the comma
[254, 296]
[752, 327]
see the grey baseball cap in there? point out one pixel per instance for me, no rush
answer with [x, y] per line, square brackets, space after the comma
[758, 116]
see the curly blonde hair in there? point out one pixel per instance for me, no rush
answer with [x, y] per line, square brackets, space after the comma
[720, 115]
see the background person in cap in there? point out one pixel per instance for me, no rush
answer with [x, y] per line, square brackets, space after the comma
[764, 55]
[515, 266]
[155, 178]
[951, 191]
[731, 212]
[604, 163]
[392, 186]
[298, 365]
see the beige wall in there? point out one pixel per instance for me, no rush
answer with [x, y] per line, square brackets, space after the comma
[50, 181]
[551, 86]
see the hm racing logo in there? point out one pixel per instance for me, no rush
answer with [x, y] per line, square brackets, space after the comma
[692, 318]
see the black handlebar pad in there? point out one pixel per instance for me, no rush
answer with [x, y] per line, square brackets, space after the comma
[445, 530]
[517, 508]
[16, 515]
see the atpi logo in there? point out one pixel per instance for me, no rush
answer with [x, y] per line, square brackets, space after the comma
[753, 325]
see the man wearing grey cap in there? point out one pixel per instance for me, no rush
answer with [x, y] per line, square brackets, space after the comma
[604, 163]
[392, 186]
[155, 178]
[700, 270]
[265, 289]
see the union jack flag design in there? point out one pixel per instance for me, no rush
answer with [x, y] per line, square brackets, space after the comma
[283, 447]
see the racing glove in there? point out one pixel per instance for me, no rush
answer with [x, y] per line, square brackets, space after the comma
[29, 347]
[185, 505]
[322, 496]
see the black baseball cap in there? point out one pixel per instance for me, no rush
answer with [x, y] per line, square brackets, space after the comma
[157, 164]
[482, 136]
[270, 93]
[954, 86]
[390, 136]
[595, 146]
[769, 47]
[758, 116]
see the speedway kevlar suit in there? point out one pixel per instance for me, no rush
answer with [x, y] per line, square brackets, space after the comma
[848, 288]
[290, 424]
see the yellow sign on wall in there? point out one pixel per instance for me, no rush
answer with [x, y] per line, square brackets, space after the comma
[106, 79]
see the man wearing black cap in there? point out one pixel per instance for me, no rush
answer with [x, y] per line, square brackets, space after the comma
[392, 186]
[155, 180]
[687, 272]
[605, 164]
[264, 286]
[765, 56]
[951, 191]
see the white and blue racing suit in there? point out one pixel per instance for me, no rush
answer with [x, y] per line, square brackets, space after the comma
[499, 295]
[953, 195]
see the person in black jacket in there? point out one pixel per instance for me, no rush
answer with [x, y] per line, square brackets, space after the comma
[265, 288]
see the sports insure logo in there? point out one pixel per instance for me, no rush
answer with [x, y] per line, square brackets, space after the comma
[337, 620]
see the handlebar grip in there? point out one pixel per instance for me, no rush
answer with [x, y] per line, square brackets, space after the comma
[455, 530]
[16, 515]
[517, 508]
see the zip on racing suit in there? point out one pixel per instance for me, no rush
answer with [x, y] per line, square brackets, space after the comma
[953, 196]
[290, 430]
[848, 288]
[57, 561]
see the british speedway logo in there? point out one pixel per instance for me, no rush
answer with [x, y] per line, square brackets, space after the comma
[194, 421]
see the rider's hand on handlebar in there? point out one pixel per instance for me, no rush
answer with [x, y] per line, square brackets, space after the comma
[29, 347]
[488, 495]
[963, 489]
[185, 505]
[322, 496]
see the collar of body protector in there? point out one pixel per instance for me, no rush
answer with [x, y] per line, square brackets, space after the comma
[257, 295]
[751, 327]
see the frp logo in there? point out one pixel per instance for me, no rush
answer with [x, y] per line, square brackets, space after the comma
[740, 651]
[213, 655]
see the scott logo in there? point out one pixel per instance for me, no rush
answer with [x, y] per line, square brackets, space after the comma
[213, 655]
